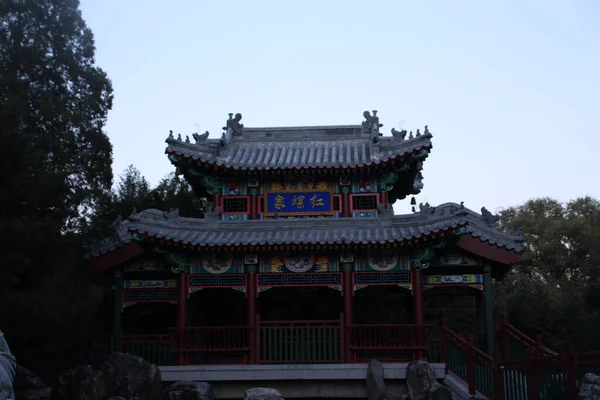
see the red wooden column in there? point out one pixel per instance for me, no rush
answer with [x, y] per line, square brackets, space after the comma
[417, 284]
[182, 287]
[348, 293]
[345, 201]
[253, 204]
[384, 199]
[251, 312]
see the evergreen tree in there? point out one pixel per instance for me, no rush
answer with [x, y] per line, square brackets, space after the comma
[56, 166]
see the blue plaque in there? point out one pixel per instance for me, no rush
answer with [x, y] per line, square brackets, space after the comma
[298, 202]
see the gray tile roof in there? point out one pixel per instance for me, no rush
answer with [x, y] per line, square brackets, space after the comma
[298, 147]
[212, 232]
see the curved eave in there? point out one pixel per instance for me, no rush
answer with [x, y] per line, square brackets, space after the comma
[488, 250]
[199, 161]
[337, 244]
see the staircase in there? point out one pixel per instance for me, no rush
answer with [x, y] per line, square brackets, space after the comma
[521, 369]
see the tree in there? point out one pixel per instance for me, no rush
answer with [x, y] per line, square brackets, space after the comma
[557, 278]
[55, 101]
[56, 166]
[133, 192]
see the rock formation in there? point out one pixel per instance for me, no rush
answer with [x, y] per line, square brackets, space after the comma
[262, 394]
[8, 365]
[590, 387]
[187, 390]
[121, 376]
[422, 385]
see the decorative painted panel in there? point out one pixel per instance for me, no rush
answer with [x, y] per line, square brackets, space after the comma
[137, 296]
[298, 202]
[237, 188]
[150, 284]
[266, 281]
[235, 217]
[298, 263]
[453, 260]
[205, 281]
[148, 265]
[217, 263]
[363, 279]
[382, 278]
[382, 261]
[364, 185]
[471, 280]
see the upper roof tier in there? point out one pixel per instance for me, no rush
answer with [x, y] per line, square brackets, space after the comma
[286, 148]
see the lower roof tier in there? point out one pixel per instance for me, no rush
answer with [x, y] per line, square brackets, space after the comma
[169, 228]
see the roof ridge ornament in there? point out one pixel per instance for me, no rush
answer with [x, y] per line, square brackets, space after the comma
[371, 125]
[399, 135]
[418, 182]
[426, 209]
[200, 138]
[233, 127]
[385, 211]
[488, 218]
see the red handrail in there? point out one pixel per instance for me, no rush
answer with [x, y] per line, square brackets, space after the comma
[409, 338]
[221, 339]
[539, 361]
[508, 331]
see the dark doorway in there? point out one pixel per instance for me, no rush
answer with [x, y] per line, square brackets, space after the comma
[300, 304]
[217, 307]
[149, 318]
[382, 305]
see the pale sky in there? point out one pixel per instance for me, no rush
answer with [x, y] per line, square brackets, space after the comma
[510, 89]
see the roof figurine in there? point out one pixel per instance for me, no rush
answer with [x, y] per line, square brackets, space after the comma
[489, 218]
[312, 149]
[234, 124]
[233, 127]
[199, 138]
[371, 125]
[399, 135]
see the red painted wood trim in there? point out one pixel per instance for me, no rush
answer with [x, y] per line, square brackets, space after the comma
[345, 204]
[251, 288]
[384, 199]
[182, 288]
[253, 206]
[489, 251]
[248, 204]
[117, 256]
[417, 284]
[351, 203]
[347, 291]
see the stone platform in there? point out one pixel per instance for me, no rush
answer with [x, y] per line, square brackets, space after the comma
[292, 380]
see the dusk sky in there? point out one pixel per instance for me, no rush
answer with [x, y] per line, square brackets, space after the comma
[509, 89]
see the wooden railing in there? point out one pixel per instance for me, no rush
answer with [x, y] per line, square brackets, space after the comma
[272, 342]
[400, 342]
[212, 345]
[157, 349]
[300, 341]
[541, 375]
[514, 344]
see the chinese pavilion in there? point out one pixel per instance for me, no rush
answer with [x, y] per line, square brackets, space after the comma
[300, 257]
